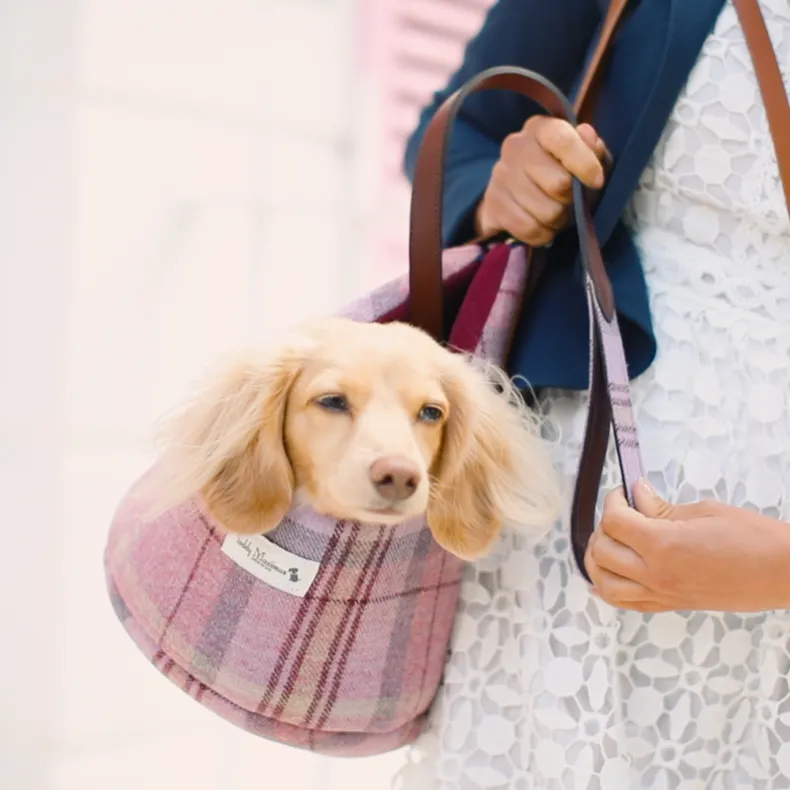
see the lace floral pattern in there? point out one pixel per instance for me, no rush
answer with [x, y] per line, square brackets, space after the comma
[548, 688]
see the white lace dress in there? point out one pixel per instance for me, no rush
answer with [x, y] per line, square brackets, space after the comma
[548, 688]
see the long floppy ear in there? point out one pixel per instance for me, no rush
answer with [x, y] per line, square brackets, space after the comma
[228, 444]
[493, 467]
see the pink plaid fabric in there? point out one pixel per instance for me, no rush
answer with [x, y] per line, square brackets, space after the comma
[353, 666]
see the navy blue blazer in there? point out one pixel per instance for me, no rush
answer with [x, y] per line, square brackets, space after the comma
[649, 65]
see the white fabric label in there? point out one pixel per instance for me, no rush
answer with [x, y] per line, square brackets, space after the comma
[272, 565]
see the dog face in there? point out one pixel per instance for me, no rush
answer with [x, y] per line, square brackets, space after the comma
[365, 420]
[368, 422]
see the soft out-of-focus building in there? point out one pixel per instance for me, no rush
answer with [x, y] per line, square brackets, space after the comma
[177, 179]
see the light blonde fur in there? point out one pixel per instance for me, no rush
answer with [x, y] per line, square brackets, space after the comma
[257, 437]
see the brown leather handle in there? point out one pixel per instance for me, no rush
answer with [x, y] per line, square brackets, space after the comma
[426, 271]
[426, 294]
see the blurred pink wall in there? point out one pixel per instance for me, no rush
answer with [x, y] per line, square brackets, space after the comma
[409, 48]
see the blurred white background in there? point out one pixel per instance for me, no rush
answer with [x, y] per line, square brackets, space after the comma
[177, 178]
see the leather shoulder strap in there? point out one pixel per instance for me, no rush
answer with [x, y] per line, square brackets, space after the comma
[591, 83]
[769, 78]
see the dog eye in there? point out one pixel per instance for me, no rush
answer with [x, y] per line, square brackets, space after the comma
[333, 403]
[430, 414]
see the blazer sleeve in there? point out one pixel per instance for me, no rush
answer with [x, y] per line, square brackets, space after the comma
[550, 37]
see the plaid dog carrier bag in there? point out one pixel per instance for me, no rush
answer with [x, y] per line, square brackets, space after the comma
[339, 643]
[326, 635]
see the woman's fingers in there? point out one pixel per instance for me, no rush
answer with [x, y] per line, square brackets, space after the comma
[520, 221]
[530, 191]
[559, 139]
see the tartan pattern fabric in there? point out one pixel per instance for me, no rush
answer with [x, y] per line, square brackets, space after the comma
[352, 667]
[388, 301]
[362, 652]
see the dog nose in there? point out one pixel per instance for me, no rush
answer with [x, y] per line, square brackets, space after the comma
[394, 477]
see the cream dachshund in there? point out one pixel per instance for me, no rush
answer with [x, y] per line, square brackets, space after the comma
[368, 422]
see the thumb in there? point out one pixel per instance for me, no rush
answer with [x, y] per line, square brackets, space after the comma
[595, 143]
[650, 504]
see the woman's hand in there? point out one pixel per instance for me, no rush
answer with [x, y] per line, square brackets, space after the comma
[705, 556]
[529, 194]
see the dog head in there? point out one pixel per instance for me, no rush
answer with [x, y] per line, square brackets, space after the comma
[368, 422]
